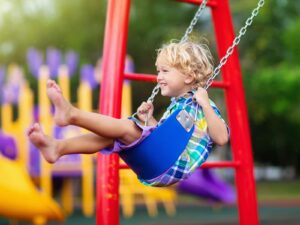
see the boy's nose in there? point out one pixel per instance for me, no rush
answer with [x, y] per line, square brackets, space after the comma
[159, 77]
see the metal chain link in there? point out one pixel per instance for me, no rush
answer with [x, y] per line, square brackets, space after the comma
[194, 21]
[235, 42]
[184, 38]
[154, 93]
[150, 99]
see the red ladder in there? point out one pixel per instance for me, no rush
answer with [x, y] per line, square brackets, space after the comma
[114, 52]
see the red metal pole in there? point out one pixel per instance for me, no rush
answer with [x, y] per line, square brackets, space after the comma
[238, 118]
[116, 30]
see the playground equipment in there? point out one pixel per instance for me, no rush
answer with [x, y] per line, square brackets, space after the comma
[131, 189]
[20, 200]
[152, 157]
[113, 70]
[207, 184]
[8, 146]
[17, 128]
[16, 188]
[23, 99]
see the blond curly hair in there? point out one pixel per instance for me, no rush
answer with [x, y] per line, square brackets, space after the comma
[189, 58]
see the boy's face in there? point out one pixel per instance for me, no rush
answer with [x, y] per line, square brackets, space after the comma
[172, 82]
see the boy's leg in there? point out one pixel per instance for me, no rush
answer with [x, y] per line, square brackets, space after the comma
[52, 149]
[105, 126]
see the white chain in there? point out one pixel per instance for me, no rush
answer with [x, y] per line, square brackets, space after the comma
[235, 42]
[194, 21]
[183, 39]
[154, 93]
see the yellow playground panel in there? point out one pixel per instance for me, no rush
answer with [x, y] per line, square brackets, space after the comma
[133, 192]
[17, 128]
[20, 199]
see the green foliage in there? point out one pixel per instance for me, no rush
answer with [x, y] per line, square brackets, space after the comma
[291, 39]
[273, 92]
[267, 39]
[62, 24]
[273, 102]
[272, 83]
[152, 22]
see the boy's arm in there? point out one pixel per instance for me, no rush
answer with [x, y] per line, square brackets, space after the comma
[217, 129]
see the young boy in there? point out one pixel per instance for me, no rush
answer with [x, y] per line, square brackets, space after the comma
[183, 69]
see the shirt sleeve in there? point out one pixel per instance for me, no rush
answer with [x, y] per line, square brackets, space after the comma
[215, 108]
[217, 111]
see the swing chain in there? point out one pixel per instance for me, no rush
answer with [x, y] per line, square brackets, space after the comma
[236, 41]
[194, 21]
[183, 39]
[150, 99]
[154, 93]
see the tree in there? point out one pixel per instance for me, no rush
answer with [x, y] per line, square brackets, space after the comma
[275, 115]
[62, 24]
[268, 34]
[272, 80]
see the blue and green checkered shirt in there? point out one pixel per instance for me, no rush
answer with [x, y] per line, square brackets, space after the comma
[197, 149]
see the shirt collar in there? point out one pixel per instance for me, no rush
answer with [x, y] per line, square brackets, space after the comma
[183, 97]
[180, 100]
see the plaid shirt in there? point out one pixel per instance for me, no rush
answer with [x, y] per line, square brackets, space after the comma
[197, 149]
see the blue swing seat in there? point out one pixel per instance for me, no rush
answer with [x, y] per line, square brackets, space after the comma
[160, 150]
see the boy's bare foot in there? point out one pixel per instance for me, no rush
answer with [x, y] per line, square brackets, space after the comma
[47, 146]
[63, 109]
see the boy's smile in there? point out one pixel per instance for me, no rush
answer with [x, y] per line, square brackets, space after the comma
[172, 82]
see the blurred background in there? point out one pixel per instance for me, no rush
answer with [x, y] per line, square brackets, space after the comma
[63, 40]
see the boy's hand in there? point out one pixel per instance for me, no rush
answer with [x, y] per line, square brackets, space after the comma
[201, 97]
[145, 110]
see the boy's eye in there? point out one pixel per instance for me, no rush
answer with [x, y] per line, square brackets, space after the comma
[162, 71]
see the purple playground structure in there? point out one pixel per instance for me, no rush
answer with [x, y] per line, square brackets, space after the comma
[207, 184]
[8, 146]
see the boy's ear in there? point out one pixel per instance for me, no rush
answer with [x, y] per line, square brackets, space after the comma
[189, 80]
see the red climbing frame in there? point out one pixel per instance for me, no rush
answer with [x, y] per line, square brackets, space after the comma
[110, 104]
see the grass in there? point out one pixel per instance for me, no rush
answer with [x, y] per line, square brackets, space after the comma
[277, 190]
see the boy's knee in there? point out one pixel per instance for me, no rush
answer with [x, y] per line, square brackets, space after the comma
[131, 131]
